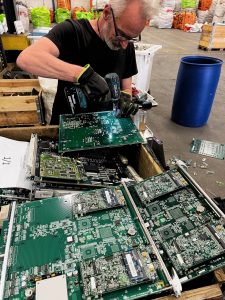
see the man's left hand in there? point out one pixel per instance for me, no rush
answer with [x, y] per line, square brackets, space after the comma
[126, 106]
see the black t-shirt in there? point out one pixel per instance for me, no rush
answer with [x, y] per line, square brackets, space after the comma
[79, 44]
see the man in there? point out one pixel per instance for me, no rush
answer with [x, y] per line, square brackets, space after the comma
[83, 52]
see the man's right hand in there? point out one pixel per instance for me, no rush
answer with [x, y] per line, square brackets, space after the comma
[94, 86]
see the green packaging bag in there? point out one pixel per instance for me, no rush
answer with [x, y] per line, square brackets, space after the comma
[61, 14]
[40, 17]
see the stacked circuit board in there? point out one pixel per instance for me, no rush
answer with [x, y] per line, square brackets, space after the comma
[121, 242]
[188, 231]
[86, 246]
[96, 130]
[89, 168]
[8, 195]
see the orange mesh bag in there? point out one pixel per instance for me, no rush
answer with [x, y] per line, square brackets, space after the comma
[190, 18]
[183, 18]
[175, 21]
[204, 4]
[64, 4]
[51, 15]
[178, 20]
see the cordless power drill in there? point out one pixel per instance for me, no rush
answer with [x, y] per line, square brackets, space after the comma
[77, 97]
[113, 82]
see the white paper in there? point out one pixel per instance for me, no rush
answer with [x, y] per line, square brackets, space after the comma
[13, 155]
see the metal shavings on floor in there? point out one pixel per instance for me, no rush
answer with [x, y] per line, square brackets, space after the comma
[220, 183]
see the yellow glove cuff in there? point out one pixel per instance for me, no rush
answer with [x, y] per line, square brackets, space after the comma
[76, 79]
[127, 91]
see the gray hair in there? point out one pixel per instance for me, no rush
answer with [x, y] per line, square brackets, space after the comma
[148, 7]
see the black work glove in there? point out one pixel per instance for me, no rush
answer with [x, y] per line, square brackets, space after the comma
[94, 86]
[126, 106]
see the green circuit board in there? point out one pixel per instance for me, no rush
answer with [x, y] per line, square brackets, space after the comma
[56, 166]
[96, 130]
[159, 185]
[94, 245]
[103, 169]
[208, 148]
[188, 232]
[85, 246]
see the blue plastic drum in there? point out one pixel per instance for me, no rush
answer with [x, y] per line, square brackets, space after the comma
[196, 85]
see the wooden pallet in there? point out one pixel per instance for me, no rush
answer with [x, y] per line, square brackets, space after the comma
[18, 106]
[213, 37]
[210, 49]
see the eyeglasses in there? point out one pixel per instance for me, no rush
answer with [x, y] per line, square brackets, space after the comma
[120, 35]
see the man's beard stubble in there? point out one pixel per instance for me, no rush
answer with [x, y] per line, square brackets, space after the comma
[113, 44]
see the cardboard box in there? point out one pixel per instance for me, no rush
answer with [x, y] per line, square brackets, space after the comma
[138, 155]
[144, 163]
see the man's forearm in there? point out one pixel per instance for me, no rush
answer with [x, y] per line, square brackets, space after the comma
[41, 58]
[46, 65]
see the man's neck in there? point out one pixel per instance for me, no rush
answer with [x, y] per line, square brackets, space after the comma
[95, 25]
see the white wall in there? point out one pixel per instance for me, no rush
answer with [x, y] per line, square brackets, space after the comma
[48, 3]
[84, 3]
[39, 3]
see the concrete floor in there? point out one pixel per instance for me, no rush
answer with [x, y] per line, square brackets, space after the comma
[176, 138]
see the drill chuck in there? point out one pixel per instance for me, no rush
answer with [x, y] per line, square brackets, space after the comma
[113, 82]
